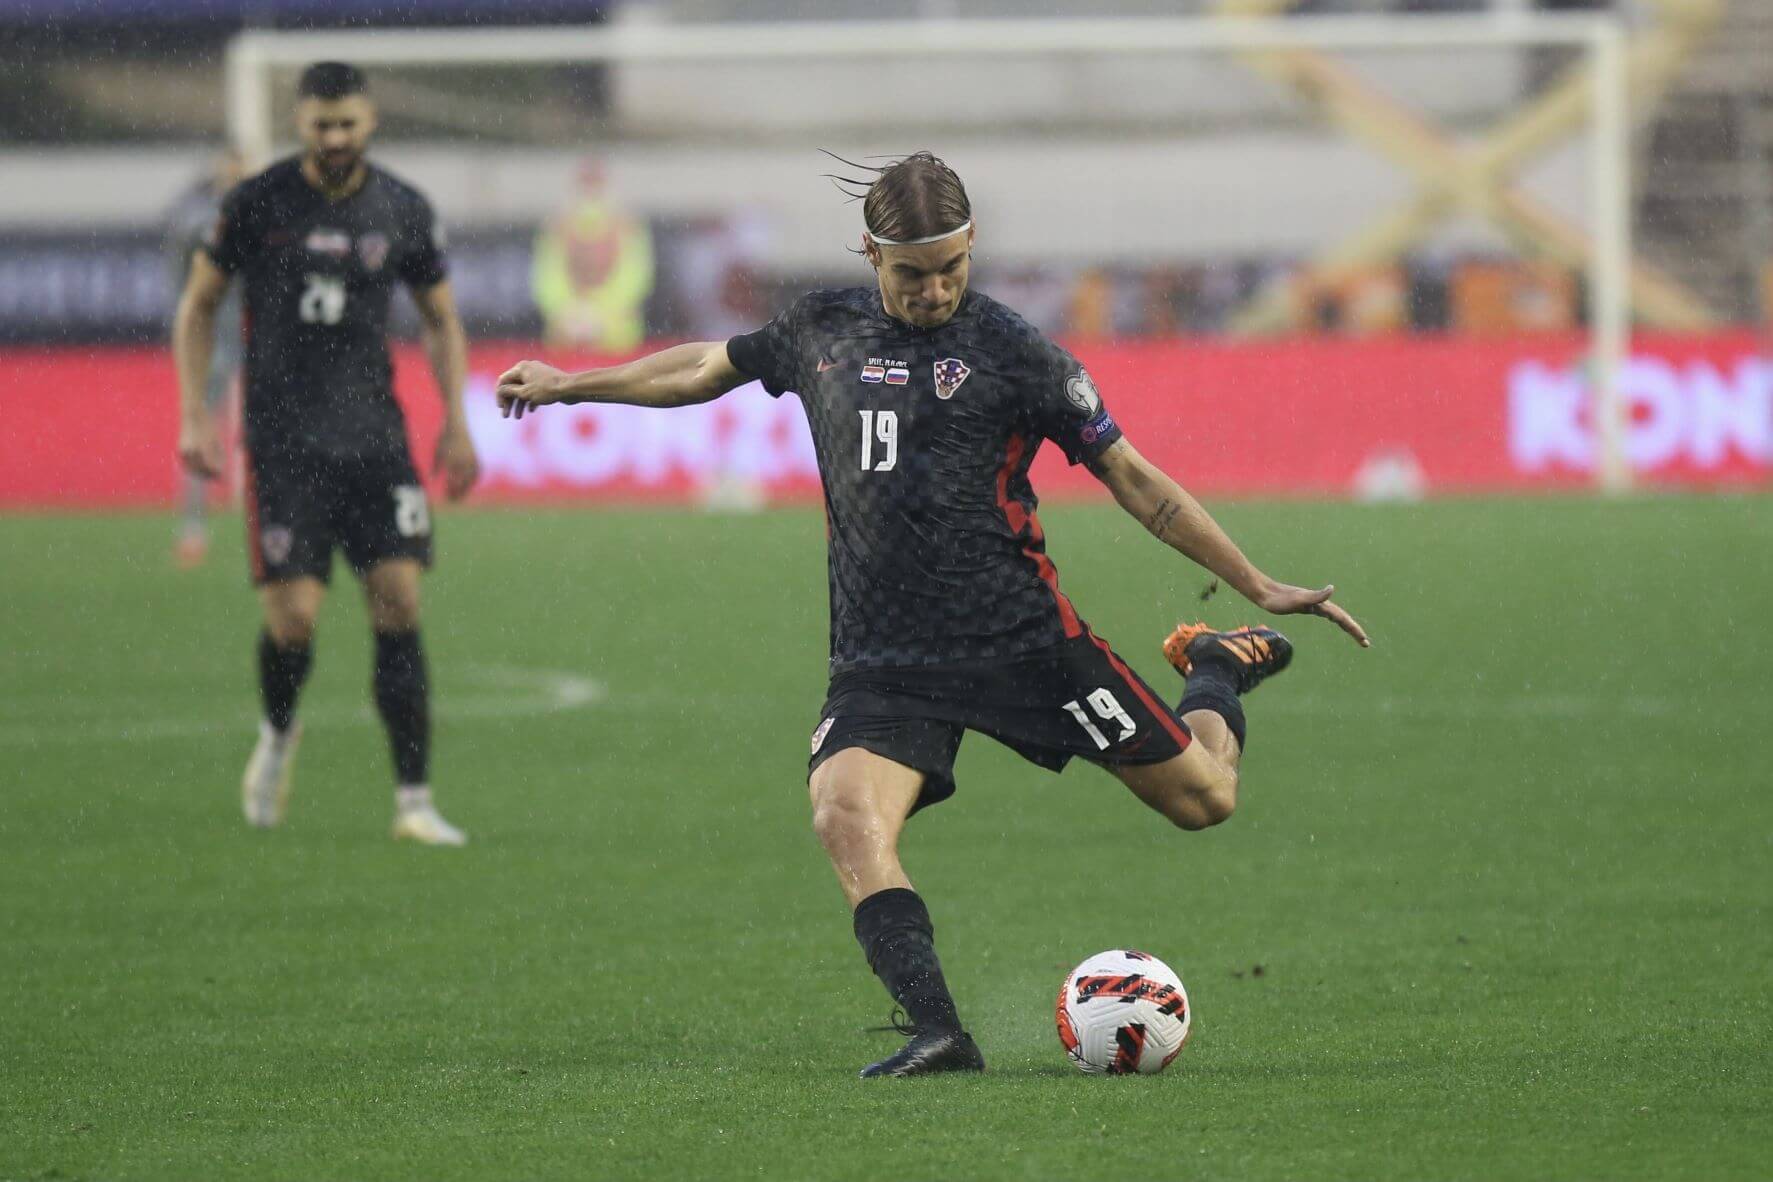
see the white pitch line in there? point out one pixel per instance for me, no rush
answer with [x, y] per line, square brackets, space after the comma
[1523, 705]
[506, 692]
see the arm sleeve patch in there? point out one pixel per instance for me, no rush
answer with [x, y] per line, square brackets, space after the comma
[1068, 408]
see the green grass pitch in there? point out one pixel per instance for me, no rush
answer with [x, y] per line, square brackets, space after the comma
[1507, 876]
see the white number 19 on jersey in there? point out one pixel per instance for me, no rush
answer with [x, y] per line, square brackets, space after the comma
[880, 426]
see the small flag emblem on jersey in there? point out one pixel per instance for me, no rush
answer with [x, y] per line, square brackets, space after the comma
[950, 373]
[324, 241]
[819, 734]
[897, 377]
[873, 373]
[373, 250]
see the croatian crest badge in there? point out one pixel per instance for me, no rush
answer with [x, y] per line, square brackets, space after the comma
[373, 250]
[275, 543]
[950, 373]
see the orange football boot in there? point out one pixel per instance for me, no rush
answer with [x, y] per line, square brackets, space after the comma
[1256, 653]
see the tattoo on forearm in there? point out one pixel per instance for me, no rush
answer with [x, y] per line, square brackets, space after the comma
[1160, 518]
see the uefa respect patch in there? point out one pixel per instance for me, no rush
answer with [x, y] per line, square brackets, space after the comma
[1097, 427]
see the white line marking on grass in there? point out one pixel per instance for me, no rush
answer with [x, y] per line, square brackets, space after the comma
[503, 692]
[1505, 705]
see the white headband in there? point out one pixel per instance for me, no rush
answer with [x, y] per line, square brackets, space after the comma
[879, 241]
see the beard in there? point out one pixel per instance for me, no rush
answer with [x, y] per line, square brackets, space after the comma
[336, 167]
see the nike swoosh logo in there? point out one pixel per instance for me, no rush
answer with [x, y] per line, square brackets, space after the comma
[826, 363]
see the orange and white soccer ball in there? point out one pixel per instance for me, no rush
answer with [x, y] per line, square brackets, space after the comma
[1122, 1012]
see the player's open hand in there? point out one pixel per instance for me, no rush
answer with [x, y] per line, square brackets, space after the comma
[1284, 600]
[200, 448]
[456, 460]
[527, 386]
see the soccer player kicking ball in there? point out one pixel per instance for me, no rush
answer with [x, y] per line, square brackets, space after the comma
[927, 402]
[320, 240]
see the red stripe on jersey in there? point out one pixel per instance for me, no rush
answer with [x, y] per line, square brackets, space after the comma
[1164, 715]
[251, 492]
[1021, 519]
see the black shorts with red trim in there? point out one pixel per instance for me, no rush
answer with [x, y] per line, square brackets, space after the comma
[1076, 699]
[301, 505]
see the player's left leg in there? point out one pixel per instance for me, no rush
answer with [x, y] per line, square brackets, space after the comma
[1198, 788]
[403, 697]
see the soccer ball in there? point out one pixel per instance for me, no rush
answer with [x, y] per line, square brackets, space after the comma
[1123, 1012]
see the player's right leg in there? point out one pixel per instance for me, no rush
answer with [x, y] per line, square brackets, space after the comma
[291, 607]
[289, 542]
[860, 803]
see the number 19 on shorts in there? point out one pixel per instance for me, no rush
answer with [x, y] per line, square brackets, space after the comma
[1108, 709]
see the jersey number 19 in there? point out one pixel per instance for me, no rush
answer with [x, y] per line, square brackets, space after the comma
[882, 427]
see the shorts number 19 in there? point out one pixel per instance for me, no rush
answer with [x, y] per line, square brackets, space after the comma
[1108, 709]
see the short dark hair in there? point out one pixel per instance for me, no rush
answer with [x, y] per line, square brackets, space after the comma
[915, 196]
[331, 80]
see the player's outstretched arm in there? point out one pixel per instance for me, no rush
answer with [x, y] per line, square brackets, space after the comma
[1172, 516]
[193, 340]
[679, 376]
[446, 345]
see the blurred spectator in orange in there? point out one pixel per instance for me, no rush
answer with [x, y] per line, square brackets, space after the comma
[1505, 297]
[1091, 312]
[593, 270]
[1163, 293]
[1374, 302]
[1369, 301]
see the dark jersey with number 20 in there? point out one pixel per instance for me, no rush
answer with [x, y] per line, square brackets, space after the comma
[924, 439]
[319, 276]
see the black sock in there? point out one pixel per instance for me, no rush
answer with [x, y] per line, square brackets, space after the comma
[893, 927]
[403, 696]
[1213, 686]
[281, 674]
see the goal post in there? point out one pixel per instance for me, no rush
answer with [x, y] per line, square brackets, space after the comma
[256, 60]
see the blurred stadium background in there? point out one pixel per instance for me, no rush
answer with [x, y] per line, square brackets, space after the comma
[1382, 253]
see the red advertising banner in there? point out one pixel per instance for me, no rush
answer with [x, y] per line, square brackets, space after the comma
[97, 427]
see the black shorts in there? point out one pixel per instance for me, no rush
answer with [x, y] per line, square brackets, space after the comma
[1076, 698]
[299, 506]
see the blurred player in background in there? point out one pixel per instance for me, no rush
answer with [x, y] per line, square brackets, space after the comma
[188, 224]
[320, 240]
[927, 402]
